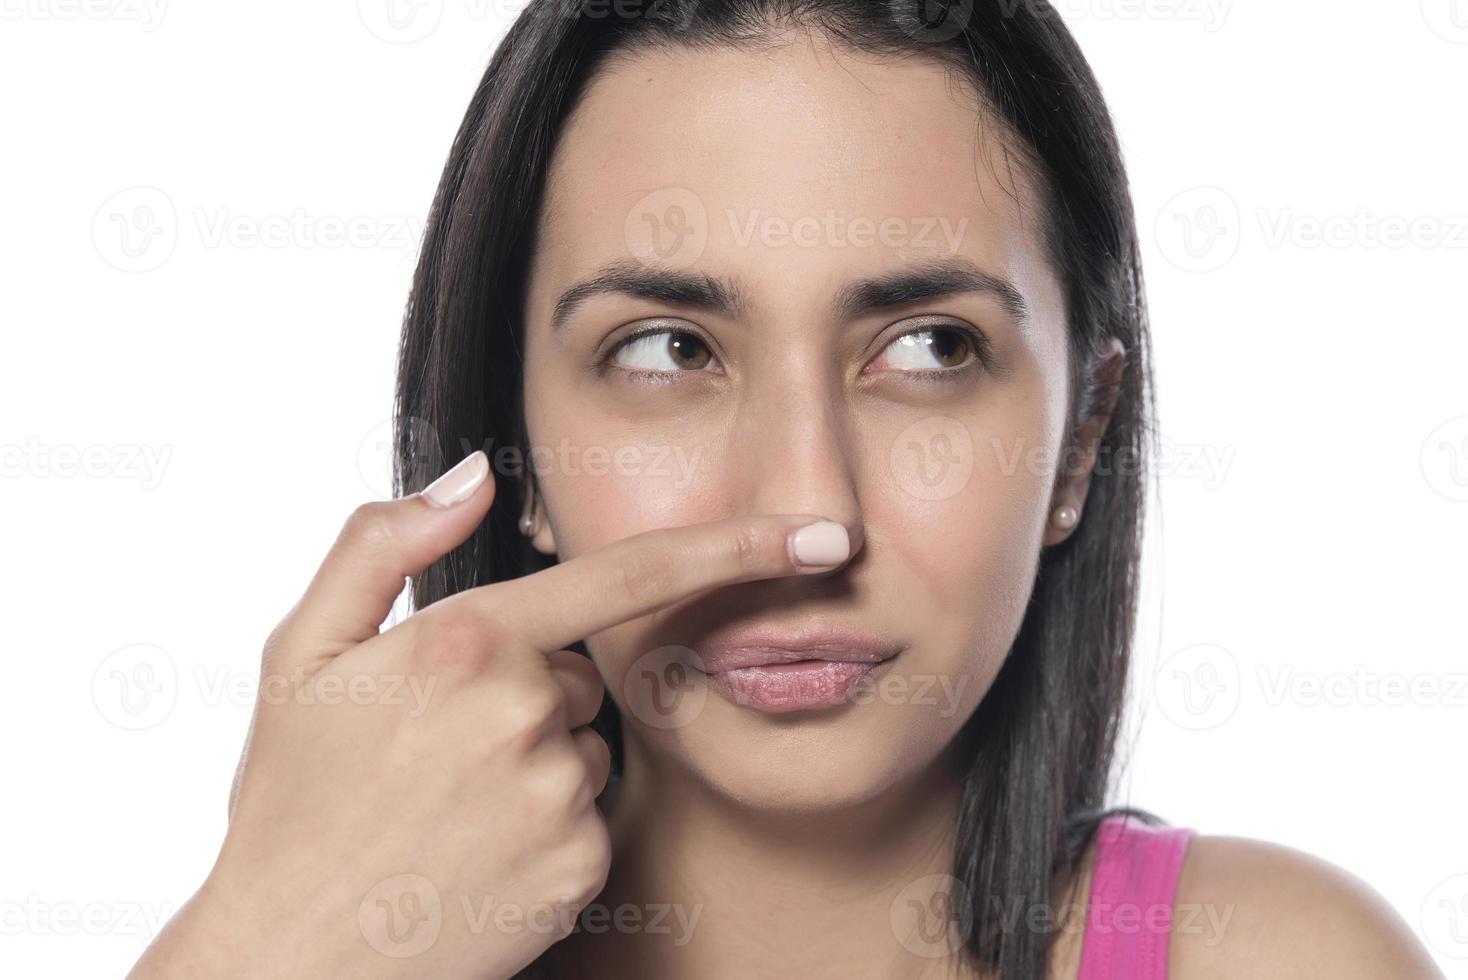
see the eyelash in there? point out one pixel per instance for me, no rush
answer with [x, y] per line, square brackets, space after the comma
[978, 344]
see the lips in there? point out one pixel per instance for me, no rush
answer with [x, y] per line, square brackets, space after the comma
[786, 669]
[757, 646]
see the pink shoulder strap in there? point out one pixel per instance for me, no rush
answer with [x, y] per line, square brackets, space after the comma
[1133, 885]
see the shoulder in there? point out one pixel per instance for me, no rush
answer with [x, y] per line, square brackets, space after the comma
[1248, 908]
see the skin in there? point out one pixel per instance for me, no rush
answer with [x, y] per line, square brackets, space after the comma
[793, 836]
[760, 821]
[355, 820]
[798, 420]
[801, 413]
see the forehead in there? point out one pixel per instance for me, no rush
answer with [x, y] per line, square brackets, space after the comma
[812, 158]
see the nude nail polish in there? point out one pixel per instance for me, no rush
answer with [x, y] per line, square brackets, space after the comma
[821, 544]
[460, 482]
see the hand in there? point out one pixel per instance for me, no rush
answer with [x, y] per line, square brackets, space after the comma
[405, 794]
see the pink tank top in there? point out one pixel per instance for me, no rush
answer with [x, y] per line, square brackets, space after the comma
[1134, 882]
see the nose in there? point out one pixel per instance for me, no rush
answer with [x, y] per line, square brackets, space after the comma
[796, 452]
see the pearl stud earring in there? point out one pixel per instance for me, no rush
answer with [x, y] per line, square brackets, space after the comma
[527, 525]
[1065, 517]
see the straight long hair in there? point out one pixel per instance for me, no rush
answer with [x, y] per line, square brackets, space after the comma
[1041, 745]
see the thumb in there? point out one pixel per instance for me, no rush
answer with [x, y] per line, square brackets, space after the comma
[382, 543]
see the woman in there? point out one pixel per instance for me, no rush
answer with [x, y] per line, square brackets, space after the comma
[822, 330]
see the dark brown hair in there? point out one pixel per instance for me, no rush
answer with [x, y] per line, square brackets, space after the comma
[1040, 746]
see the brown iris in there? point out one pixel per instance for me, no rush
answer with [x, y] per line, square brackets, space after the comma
[688, 351]
[949, 346]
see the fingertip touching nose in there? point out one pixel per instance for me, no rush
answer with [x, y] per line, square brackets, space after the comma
[797, 457]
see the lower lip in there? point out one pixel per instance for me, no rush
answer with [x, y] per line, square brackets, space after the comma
[791, 686]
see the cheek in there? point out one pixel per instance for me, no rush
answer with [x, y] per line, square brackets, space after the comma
[606, 482]
[959, 523]
[611, 462]
[962, 500]
[600, 488]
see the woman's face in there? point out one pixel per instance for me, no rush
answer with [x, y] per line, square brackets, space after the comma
[811, 198]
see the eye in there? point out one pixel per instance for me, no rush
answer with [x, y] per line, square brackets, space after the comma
[663, 350]
[931, 350]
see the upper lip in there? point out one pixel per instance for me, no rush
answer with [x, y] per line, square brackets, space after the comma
[759, 645]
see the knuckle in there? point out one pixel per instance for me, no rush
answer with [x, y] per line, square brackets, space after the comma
[277, 663]
[494, 633]
[278, 641]
[748, 546]
[596, 747]
[371, 528]
[452, 640]
[532, 711]
[562, 783]
[588, 861]
[647, 574]
[581, 668]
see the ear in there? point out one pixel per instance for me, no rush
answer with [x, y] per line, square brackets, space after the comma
[544, 539]
[1077, 465]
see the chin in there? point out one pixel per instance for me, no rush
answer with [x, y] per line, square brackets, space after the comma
[836, 758]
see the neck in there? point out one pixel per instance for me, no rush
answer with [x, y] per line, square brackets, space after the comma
[712, 887]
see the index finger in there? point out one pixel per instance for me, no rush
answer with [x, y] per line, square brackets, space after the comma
[643, 573]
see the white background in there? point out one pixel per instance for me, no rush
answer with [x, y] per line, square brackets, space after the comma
[229, 383]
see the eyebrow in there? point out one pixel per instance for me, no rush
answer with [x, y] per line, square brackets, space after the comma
[925, 280]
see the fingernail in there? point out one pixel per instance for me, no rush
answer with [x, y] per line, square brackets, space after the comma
[820, 544]
[460, 482]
